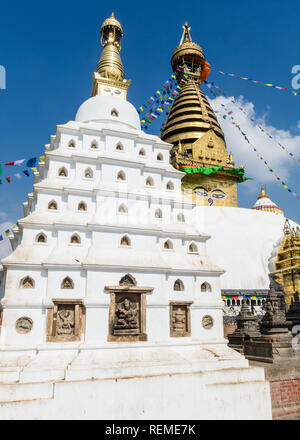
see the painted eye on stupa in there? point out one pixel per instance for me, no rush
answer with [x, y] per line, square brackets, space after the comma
[218, 194]
[201, 191]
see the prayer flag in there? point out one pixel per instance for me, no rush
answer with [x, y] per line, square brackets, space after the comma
[31, 162]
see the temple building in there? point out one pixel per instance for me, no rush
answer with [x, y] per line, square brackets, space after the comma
[243, 241]
[192, 127]
[111, 293]
[287, 262]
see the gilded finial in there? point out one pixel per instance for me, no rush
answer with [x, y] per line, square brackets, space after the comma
[110, 64]
[186, 36]
[287, 227]
[230, 160]
[262, 194]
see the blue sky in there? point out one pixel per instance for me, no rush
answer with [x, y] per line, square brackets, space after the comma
[50, 49]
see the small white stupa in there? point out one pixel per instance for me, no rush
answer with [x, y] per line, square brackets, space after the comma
[111, 306]
[264, 203]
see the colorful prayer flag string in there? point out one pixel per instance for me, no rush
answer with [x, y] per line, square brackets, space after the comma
[263, 130]
[259, 155]
[165, 102]
[292, 91]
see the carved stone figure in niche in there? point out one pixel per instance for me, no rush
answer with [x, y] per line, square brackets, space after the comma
[52, 205]
[66, 320]
[179, 320]
[75, 239]
[67, 283]
[24, 325]
[126, 316]
[207, 322]
[27, 283]
[127, 280]
[178, 285]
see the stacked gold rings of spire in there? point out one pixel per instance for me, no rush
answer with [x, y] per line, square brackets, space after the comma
[191, 116]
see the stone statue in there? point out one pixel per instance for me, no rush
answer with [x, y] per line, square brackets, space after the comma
[126, 315]
[65, 322]
[179, 320]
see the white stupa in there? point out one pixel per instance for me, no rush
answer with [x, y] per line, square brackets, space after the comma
[264, 203]
[111, 306]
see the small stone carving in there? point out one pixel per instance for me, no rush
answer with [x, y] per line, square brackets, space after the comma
[127, 280]
[66, 320]
[126, 317]
[207, 322]
[67, 283]
[178, 286]
[88, 174]
[179, 320]
[24, 325]
[27, 283]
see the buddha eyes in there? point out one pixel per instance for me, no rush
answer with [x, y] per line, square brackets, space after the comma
[218, 196]
[215, 193]
[200, 191]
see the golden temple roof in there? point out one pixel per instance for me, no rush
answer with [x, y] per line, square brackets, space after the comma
[191, 116]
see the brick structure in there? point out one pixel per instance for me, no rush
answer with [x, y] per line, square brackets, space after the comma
[284, 387]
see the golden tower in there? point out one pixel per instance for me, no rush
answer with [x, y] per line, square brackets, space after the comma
[287, 263]
[193, 129]
[109, 78]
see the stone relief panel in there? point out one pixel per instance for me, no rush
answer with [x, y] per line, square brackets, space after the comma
[24, 325]
[207, 322]
[65, 322]
[127, 316]
[180, 325]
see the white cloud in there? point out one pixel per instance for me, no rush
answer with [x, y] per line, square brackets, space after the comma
[269, 149]
[298, 124]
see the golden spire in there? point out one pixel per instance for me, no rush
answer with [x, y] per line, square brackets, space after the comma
[110, 64]
[287, 227]
[262, 194]
[186, 36]
[110, 71]
[191, 117]
[230, 160]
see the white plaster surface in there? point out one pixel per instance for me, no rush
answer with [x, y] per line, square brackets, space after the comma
[244, 242]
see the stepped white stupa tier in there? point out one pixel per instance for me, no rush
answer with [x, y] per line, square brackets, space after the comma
[109, 293]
